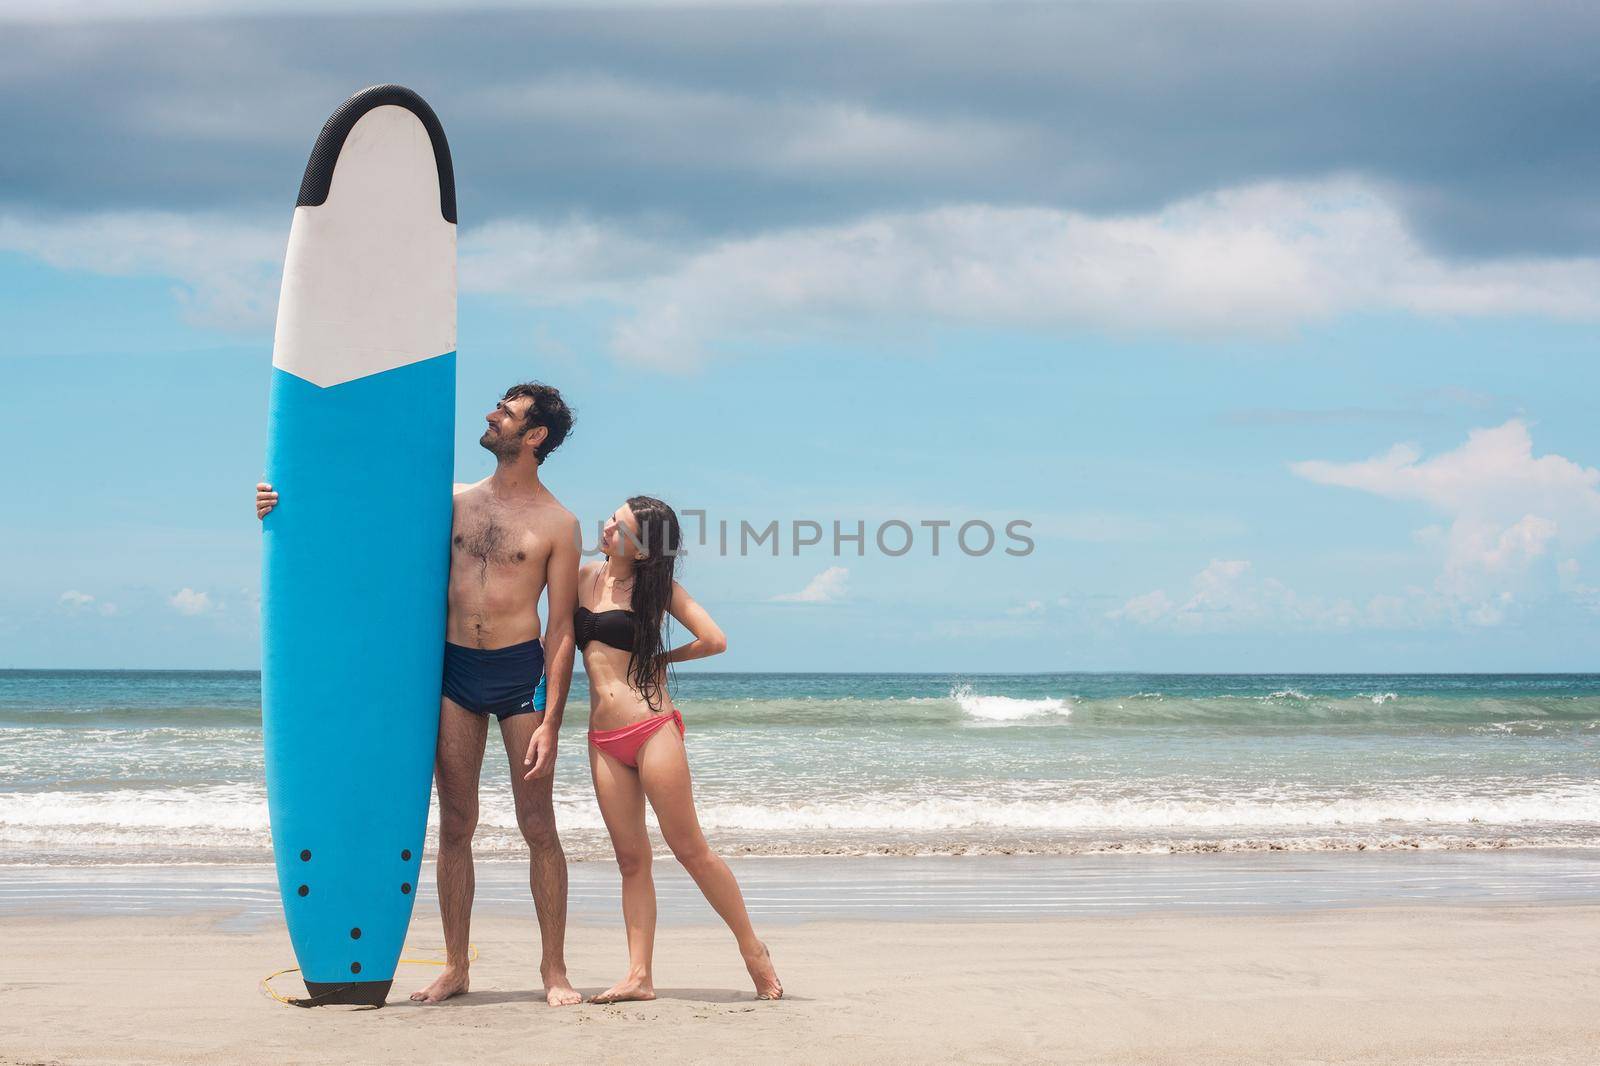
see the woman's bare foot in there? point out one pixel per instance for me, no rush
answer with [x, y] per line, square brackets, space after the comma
[558, 991]
[628, 989]
[452, 982]
[759, 963]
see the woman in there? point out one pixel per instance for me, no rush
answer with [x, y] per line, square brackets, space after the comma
[636, 748]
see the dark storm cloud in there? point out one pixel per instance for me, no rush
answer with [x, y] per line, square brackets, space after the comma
[1481, 117]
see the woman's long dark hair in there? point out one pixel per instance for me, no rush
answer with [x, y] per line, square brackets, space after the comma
[659, 540]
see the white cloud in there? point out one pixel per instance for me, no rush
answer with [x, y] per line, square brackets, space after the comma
[642, 122]
[1251, 260]
[1509, 514]
[1508, 510]
[122, 10]
[1030, 609]
[826, 587]
[569, 261]
[1227, 595]
[1150, 607]
[1585, 595]
[74, 602]
[188, 601]
[226, 271]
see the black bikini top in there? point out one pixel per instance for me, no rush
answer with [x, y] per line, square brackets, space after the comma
[614, 627]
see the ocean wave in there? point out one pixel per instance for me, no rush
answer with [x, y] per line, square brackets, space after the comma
[1006, 708]
[972, 702]
[1272, 713]
[1566, 807]
[131, 717]
[592, 845]
[235, 812]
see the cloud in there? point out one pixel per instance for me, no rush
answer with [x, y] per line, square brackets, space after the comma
[1585, 595]
[1507, 509]
[728, 177]
[1254, 260]
[738, 119]
[1509, 513]
[187, 601]
[95, 10]
[1228, 596]
[1494, 471]
[565, 261]
[1029, 609]
[826, 587]
[1148, 608]
[643, 122]
[1246, 261]
[74, 602]
[226, 271]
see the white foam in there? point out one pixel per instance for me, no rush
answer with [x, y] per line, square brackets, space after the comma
[225, 807]
[227, 814]
[1557, 807]
[1006, 708]
[236, 815]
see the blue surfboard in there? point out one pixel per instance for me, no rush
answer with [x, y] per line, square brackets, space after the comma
[356, 555]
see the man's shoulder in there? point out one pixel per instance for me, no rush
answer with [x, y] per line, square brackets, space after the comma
[556, 514]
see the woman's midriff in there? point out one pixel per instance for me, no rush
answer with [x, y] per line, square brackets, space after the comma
[613, 703]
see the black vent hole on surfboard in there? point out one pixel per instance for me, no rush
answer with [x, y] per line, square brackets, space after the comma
[355, 967]
[405, 889]
[355, 934]
[405, 856]
[305, 890]
[305, 856]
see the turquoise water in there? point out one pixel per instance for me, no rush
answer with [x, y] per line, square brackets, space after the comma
[116, 767]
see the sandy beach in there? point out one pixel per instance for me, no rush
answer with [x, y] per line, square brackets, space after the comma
[1444, 984]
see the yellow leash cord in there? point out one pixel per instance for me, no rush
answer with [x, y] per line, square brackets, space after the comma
[287, 1001]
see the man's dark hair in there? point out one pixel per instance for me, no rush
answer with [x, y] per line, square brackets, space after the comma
[547, 409]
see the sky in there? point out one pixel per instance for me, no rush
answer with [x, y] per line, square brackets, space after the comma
[1267, 330]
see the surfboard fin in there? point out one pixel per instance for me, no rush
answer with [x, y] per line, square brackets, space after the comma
[347, 993]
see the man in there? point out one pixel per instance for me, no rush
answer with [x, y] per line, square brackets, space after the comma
[510, 540]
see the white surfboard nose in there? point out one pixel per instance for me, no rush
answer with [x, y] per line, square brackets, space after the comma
[369, 280]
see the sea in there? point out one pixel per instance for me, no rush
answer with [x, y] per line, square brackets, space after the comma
[107, 768]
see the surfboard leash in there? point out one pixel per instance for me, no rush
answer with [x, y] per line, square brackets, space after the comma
[318, 1000]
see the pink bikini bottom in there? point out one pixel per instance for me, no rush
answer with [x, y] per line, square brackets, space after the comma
[624, 744]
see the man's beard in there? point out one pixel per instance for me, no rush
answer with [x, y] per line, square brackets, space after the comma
[502, 448]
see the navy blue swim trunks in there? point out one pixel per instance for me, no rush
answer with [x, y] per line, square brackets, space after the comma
[497, 681]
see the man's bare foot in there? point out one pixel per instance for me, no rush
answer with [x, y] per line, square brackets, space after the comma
[763, 974]
[558, 991]
[628, 989]
[452, 982]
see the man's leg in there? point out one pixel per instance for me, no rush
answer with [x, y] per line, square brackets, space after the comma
[547, 863]
[462, 735]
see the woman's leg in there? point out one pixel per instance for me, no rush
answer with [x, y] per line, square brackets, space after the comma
[622, 806]
[664, 774]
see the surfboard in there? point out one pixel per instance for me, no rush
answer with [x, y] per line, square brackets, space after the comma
[356, 554]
